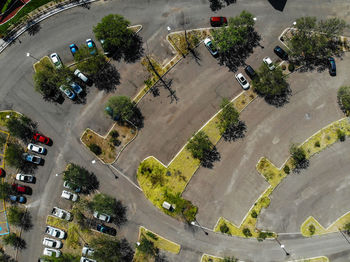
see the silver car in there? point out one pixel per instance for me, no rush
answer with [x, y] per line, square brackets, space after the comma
[242, 81]
[36, 148]
[69, 195]
[50, 242]
[55, 232]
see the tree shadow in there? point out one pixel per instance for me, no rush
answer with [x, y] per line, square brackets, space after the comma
[279, 100]
[236, 57]
[120, 213]
[210, 157]
[137, 118]
[301, 165]
[235, 132]
[27, 222]
[33, 28]
[278, 4]
[107, 78]
[134, 51]
[215, 5]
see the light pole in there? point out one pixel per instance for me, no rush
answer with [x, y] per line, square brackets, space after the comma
[282, 246]
[29, 55]
[195, 223]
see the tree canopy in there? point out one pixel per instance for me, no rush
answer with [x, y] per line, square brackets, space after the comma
[111, 250]
[122, 107]
[21, 127]
[66, 257]
[19, 217]
[119, 40]
[299, 157]
[272, 85]
[5, 190]
[199, 145]
[13, 155]
[344, 99]
[13, 240]
[78, 176]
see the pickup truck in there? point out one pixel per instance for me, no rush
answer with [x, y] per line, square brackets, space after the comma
[61, 213]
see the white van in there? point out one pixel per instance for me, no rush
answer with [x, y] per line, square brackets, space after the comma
[81, 75]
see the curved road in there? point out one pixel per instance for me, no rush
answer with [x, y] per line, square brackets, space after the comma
[64, 123]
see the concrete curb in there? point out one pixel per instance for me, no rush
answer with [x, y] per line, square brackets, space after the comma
[41, 18]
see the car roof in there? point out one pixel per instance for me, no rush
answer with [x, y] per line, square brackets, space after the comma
[216, 18]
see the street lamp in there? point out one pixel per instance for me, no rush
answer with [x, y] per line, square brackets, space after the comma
[29, 55]
[195, 223]
[282, 246]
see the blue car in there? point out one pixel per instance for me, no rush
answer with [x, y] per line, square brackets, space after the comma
[332, 67]
[70, 94]
[19, 199]
[73, 49]
[77, 89]
[32, 158]
[91, 45]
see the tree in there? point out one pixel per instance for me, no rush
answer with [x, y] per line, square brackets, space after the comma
[111, 250]
[106, 204]
[147, 247]
[230, 259]
[15, 241]
[199, 145]
[4, 257]
[272, 85]
[78, 176]
[66, 257]
[19, 217]
[5, 190]
[344, 99]
[21, 127]
[13, 155]
[122, 108]
[231, 128]
[299, 157]
[119, 40]
[237, 40]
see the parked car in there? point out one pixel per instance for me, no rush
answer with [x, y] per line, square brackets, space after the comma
[91, 45]
[70, 186]
[41, 138]
[55, 232]
[102, 41]
[85, 259]
[25, 178]
[56, 60]
[102, 216]
[50, 252]
[32, 158]
[61, 213]
[210, 47]
[87, 251]
[106, 230]
[69, 195]
[69, 93]
[268, 62]
[218, 21]
[242, 81]
[73, 49]
[81, 76]
[2, 172]
[332, 66]
[280, 52]
[76, 88]
[36, 149]
[50, 242]
[19, 199]
[21, 189]
[250, 71]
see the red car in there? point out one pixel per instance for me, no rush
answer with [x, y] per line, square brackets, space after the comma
[218, 21]
[42, 139]
[20, 189]
[2, 172]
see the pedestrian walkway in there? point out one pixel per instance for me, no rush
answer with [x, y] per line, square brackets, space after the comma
[4, 226]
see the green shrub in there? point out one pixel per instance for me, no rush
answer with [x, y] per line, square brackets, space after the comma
[151, 235]
[317, 144]
[254, 214]
[114, 134]
[286, 169]
[341, 135]
[224, 229]
[95, 149]
[291, 67]
[246, 232]
[264, 235]
[312, 229]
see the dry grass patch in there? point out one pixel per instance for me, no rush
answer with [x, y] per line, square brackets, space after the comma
[38, 66]
[272, 174]
[209, 258]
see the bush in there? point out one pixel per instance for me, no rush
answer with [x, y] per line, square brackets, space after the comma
[291, 67]
[344, 99]
[263, 235]
[246, 232]
[224, 229]
[284, 67]
[151, 235]
[114, 134]
[96, 149]
[286, 169]
[317, 144]
[341, 135]
[254, 214]
[312, 229]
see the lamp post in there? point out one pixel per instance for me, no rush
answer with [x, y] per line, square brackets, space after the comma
[29, 55]
[282, 246]
[195, 223]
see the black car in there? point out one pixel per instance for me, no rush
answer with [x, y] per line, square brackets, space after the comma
[250, 71]
[332, 67]
[105, 229]
[280, 52]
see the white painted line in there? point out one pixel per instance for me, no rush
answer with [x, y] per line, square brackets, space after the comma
[127, 178]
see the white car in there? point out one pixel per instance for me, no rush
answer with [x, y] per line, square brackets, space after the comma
[50, 252]
[268, 62]
[210, 47]
[61, 213]
[25, 178]
[36, 148]
[56, 60]
[242, 81]
[55, 232]
[50, 242]
[69, 195]
[86, 251]
[81, 75]
[102, 216]
[85, 259]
